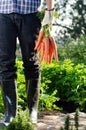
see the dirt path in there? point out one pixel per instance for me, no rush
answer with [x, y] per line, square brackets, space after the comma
[54, 120]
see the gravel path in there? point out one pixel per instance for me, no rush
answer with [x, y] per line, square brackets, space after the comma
[54, 120]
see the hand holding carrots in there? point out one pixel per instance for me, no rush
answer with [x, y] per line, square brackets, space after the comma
[47, 47]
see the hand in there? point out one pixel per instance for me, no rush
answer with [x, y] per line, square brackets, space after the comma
[48, 17]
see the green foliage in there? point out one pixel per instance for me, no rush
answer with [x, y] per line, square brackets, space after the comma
[63, 80]
[67, 80]
[21, 122]
[75, 50]
[68, 125]
[1, 103]
[21, 85]
[76, 119]
[76, 14]
[61, 128]
[47, 101]
[40, 14]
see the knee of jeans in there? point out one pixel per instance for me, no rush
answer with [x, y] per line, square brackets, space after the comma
[32, 71]
[7, 67]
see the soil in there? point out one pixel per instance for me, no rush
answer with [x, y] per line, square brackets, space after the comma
[54, 120]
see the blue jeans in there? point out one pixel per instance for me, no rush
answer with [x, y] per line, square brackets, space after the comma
[26, 28]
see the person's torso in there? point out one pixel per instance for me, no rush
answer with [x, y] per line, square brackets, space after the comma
[19, 6]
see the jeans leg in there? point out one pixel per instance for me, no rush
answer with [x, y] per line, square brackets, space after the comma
[7, 67]
[10, 101]
[29, 31]
[7, 48]
[33, 88]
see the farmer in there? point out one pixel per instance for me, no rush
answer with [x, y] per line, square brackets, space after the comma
[18, 19]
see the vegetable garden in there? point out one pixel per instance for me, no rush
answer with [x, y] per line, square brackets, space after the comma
[62, 81]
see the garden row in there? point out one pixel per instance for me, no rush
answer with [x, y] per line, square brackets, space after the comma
[62, 81]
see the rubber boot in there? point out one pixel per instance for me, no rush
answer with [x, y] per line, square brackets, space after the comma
[10, 101]
[32, 87]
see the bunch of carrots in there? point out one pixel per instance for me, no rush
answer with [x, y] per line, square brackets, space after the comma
[46, 46]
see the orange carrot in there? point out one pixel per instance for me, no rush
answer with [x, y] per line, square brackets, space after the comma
[50, 52]
[54, 48]
[42, 52]
[46, 42]
[39, 48]
[40, 37]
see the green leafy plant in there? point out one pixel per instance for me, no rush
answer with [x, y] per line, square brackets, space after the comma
[76, 119]
[59, 81]
[74, 50]
[67, 80]
[47, 102]
[21, 122]
[21, 85]
[1, 104]
[68, 125]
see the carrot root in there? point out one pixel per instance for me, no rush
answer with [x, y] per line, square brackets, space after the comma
[40, 37]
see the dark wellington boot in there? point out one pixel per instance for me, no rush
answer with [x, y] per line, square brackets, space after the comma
[32, 98]
[10, 101]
